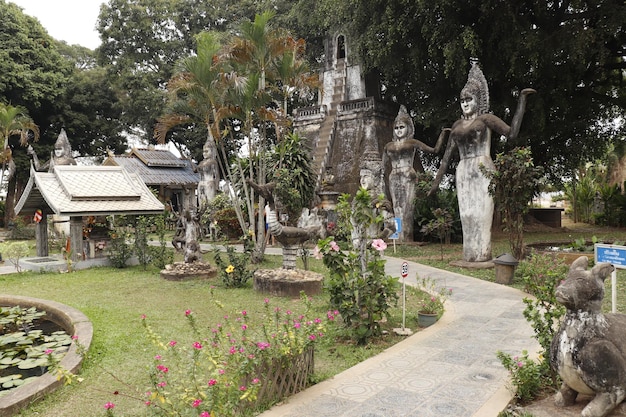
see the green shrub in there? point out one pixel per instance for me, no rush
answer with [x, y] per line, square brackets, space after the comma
[541, 274]
[14, 251]
[234, 272]
[21, 231]
[228, 223]
[358, 285]
[121, 246]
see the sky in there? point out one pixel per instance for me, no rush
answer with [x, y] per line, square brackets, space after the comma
[72, 21]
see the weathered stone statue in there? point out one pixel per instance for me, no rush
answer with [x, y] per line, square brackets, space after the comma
[188, 232]
[471, 135]
[401, 154]
[589, 351]
[209, 173]
[371, 173]
[62, 154]
[289, 237]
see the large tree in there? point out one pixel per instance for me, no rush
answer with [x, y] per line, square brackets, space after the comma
[571, 52]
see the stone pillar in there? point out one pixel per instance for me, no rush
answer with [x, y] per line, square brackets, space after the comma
[41, 236]
[290, 254]
[76, 238]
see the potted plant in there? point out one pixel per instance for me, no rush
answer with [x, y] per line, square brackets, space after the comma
[431, 305]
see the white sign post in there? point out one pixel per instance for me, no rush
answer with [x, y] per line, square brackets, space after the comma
[404, 273]
[616, 256]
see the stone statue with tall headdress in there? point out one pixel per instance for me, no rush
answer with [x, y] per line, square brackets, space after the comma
[471, 135]
[209, 172]
[401, 154]
[61, 155]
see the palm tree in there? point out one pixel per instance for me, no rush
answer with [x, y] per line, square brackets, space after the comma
[237, 81]
[14, 121]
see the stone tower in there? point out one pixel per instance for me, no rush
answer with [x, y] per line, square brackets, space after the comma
[349, 117]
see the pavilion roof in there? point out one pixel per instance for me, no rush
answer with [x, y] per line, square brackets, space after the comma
[71, 190]
[156, 167]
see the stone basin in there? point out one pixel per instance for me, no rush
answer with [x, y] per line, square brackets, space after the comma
[75, 323]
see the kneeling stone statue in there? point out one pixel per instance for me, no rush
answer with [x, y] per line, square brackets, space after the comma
[589, 351]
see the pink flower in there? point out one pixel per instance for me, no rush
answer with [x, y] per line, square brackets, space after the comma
[520, 364]
[48, 351]
[244, 313]
[312, 337]
[212, 382]
[242, 388]
[147, 403]
[143, 317]
[109, 406]
[187, 312]
[244, 327]
[255, 381]
[334, 246]
[221, 372]
[317, 254]
[379, 244]
[157, 357]
[205, 414]
[197, 345]
[266, 301]
[297, 325]
[162, 368]
[162, 384]
[196, 403]
[262, 345]
[75, 337]
[173, 343]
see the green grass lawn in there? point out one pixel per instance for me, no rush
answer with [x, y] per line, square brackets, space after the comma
[115, 299]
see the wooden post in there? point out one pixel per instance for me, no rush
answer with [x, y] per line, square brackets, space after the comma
[41, 236]
[76, 238]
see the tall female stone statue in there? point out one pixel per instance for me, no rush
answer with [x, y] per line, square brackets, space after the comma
[209, 173]
[401, 154]
[471, 135]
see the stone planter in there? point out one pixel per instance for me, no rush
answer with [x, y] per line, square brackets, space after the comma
[426, 319]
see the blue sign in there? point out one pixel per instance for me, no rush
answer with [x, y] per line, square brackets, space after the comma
[396, 235]
[613, 254]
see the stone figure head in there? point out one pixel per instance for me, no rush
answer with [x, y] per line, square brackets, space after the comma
[476, 88]
[403, 127]
[371, 170]
[62, 148]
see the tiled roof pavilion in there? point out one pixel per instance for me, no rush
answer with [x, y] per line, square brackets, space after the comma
[156, 167]
[75, 191]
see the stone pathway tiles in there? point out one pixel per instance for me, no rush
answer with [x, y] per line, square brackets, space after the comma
[449, 369]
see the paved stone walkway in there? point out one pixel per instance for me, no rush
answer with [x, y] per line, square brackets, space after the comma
[448, 369]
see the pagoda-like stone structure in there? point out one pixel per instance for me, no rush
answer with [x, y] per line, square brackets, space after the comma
[349, 118]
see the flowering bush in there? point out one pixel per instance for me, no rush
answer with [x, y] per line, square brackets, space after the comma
[526, 375]
[434, 298]
[359, 287]
[226, 370]
[235, 272]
